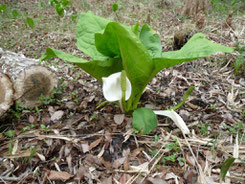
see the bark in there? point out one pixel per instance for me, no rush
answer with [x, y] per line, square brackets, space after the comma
[30, 79]
[193, 7]
[6, 93]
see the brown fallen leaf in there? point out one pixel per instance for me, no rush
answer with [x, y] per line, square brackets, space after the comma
[118, 118]
[107, 164]
[82, 172]
[57, 115]
[92, 161]
[95, 143]
[190, 160]
[69, 162]
[117, 163]
[156, 181]
[59, 175]
[124, 178]
[107, 180]
[191, 176]
[32, 119]
[135, 153]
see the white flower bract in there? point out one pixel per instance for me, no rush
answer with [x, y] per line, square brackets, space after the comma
[176, 118]
[112, 87]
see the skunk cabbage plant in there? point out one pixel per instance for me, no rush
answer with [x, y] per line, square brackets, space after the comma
[126, 58]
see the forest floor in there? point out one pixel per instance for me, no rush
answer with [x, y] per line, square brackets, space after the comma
[70, 140]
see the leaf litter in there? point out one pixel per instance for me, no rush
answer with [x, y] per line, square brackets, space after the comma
[82, 144]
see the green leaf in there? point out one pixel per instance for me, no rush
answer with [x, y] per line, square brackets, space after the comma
[119, 39]
[89, 24]
[197, 47]
[60, 10]
[10, 133]
[151, 41]
[185, 97]
[238, 64]
[30, 22]
[115, 6]
[65, 3]
[74, 17]
[15, 14]
[225, 167]
[96, 68]
[41, 4]
[136, 60]
[144, 120]
[2, 8]
[107, 43]
[135, 29]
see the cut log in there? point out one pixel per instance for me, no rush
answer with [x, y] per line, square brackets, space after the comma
[6, 93]
[30, 79]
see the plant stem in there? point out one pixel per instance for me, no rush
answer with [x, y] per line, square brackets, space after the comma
[123, 88]
[122, 105]
[185, 97]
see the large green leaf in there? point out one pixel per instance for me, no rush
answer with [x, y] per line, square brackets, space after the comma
[107, 43]
[135, 28]
[144, 120]
[96, 68]
[151, 41]
[89, 24]
[136, 60]
[197, 47]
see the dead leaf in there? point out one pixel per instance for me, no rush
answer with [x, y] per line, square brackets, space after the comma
[136, 152]
[69, 162]
[32, 119]
[85, 147]
[95, 143]
[191, 176]
[190, 160]
[58, 175]
[117, 163]
[141, 168]
[42, 157]
[83, 171]
[107, 164]
[92, 160]
[57, 115]
[156, 181]
[51, 109]
[124, 178]
[25, 153]
[118, 118]
[15, 147]
[107, 180]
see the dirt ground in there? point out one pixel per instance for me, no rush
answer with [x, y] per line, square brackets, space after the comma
[70, 140]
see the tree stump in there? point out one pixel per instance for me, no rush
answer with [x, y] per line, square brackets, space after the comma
[6, 93]
[30, 79]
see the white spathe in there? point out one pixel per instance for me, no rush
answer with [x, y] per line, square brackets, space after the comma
[112, 87]
[176, 118]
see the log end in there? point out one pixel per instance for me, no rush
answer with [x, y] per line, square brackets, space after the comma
[6, 93]
[33, 82]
